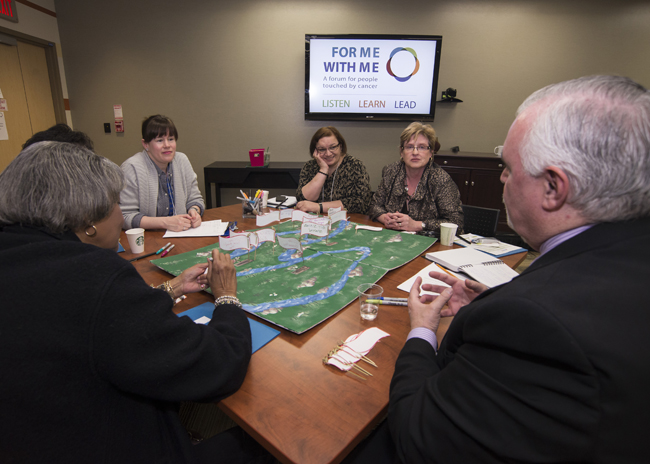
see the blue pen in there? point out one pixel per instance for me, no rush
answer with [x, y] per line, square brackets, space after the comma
[163, 248]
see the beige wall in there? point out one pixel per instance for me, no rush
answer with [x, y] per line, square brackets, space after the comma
[231, 74]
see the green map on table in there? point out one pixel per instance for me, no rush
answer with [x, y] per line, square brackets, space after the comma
[298, 292]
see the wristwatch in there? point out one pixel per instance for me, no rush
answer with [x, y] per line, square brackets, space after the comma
[321, 207]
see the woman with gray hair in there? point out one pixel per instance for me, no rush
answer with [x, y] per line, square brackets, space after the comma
[415, 194]
[95, 361]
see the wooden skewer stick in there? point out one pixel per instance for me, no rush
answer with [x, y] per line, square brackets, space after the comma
[365, 358]
[326, 358]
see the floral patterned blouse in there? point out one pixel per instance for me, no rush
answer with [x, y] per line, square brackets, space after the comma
[436, 198]
[350, 184]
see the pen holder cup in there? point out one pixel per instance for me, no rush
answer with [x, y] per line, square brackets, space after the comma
[250, 208]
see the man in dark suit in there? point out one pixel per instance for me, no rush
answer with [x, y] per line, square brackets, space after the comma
[553, 367]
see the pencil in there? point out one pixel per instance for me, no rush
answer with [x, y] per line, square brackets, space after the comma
[445, 270]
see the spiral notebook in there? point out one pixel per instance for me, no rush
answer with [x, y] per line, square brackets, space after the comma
[480, 266]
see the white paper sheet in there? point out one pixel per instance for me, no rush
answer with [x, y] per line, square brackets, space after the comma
[206, 229]
[424, 273]
[4, 135]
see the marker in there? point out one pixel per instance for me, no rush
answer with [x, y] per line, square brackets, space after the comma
[243, 194]
[163, 248]
[179, 299]
[388, 302]
[167, 250]
[206, 269]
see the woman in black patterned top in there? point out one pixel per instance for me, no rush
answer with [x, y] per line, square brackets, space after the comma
[332, 178]
[415, 194]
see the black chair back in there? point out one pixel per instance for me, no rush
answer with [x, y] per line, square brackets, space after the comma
[480, 221]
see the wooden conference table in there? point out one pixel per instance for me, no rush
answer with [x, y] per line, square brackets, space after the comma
[299, 409]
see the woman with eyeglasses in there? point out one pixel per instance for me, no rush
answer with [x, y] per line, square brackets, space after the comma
[332, 178]
[415, 194]
[161, 191]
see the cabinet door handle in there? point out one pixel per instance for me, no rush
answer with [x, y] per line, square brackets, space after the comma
[472, 183]
[500, 165]
[466, 183]
[444, 162]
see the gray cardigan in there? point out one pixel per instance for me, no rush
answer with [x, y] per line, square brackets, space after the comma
[140, 193]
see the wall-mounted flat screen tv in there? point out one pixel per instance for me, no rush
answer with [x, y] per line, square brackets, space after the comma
[371, 77]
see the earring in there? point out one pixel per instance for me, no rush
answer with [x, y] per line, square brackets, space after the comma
[94, 231]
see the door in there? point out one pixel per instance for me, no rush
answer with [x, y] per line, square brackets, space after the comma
[25, 85]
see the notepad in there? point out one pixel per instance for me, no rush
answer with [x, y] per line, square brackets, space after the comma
[498, 249]
[476, 264]
[288, 203]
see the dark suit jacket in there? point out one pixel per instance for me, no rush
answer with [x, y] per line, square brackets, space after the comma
[552, 367]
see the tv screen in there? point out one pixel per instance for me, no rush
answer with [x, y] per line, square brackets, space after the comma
[371, 77]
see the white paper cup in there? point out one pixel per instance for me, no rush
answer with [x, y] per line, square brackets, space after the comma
[136, 240]
[265, 198]
[447, 233]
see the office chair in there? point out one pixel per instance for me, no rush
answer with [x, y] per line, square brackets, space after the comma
[480, 221]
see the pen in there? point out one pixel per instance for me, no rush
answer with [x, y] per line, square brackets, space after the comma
[143, 256]
[388, 302]
[163, 248]
[464, 240]
[167, 250]
[389, 298]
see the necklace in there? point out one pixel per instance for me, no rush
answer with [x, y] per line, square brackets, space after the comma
[322, 193]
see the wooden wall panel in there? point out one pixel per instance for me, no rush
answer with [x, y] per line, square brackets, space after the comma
[17, 114]
[37, 86]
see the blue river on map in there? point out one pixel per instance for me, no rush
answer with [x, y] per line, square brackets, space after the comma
[286, 261]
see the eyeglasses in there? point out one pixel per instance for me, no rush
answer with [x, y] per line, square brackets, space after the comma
[499, 151]
[332, 149]
[411, 148]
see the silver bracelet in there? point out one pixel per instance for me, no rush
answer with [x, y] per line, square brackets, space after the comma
[228, 300]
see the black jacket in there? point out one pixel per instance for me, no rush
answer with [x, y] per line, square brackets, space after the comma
[551, 367]
[94, 361]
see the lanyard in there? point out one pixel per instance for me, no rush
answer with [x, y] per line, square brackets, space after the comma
[170, 194]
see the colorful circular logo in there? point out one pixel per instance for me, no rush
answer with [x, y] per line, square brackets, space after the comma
[395, 52]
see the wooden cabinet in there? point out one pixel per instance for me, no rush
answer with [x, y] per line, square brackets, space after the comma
[477, 176]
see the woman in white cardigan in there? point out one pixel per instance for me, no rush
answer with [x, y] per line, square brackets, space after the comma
[161, 191]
